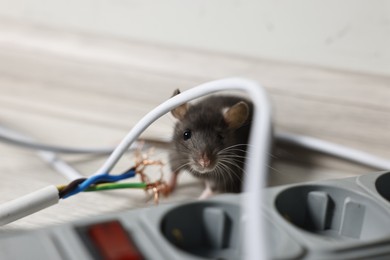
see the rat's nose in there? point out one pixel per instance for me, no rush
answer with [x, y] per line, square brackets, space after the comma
[204, 161]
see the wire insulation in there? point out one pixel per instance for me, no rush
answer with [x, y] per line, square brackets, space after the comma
[50, 157]
[114, 186]
[335, 150]
[99, 178]
[28, 204]
[15, 138]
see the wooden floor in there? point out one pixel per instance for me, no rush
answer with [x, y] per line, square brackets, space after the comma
[84, 90]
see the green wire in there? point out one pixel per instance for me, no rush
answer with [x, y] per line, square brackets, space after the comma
[114, 186]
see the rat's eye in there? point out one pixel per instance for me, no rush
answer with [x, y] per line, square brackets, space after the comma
[187, 135]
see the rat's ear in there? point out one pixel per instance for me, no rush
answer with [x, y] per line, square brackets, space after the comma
[180, 111]
[236, 115]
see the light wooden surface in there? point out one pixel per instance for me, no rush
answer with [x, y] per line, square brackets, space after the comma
[83, 90]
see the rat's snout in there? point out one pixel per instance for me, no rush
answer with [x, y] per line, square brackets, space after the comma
[204, 161]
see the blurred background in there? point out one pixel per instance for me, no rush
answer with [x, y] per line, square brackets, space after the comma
[352, 35]
[81, 73]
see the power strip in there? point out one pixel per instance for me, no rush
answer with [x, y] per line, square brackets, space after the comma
[334, 219]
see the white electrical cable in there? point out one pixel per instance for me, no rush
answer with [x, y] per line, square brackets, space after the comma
[60, 166]
[257, 159]
[15, 138]
[50, 157]
[336, 150]
[28, 204]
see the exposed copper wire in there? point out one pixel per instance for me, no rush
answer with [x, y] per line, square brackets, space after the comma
[158, 187]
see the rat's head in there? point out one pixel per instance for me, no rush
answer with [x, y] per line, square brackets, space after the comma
[205, 130]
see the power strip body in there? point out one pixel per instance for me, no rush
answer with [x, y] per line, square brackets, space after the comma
[334, 219]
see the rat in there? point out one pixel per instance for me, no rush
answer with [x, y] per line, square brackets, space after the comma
[209, 141]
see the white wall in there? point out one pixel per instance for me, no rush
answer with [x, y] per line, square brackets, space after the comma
[348, 34]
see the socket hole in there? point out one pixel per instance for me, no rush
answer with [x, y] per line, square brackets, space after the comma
[382, 185]
[204, 229]
[333, 212]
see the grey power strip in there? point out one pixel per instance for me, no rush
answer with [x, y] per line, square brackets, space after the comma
[335, 219]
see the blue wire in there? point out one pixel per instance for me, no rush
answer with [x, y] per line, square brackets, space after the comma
[105, 177]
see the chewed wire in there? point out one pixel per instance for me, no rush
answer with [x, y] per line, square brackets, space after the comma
[106, 181]
[101, 178]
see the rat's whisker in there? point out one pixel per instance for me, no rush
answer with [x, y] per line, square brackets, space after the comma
[233, 164]
[277, 171]
[226, 163]
[233, 156]
[234, 148]
[182, 166]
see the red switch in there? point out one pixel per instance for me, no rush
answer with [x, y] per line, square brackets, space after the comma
[112, 241]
